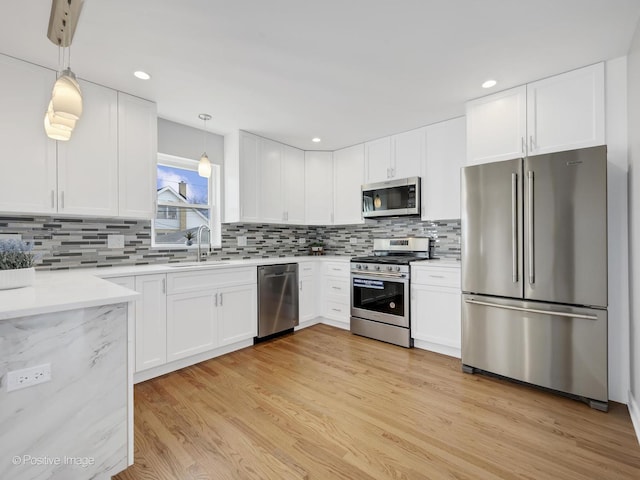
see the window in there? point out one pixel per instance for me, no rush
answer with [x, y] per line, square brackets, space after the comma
[185, 201]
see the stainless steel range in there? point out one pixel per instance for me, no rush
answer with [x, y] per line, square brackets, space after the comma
[380, 289]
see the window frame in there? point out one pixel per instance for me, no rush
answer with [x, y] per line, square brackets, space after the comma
[214, 183]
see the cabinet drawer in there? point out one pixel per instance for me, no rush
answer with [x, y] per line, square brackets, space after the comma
[306, 269]
[337, 309]
[438, 276]
[336, 287]
[337, 269]
[183, 282]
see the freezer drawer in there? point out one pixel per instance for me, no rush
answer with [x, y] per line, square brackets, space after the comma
[554, 346]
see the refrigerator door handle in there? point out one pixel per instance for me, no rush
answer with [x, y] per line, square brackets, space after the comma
[514, 226]
[532, 276]
[532, 310]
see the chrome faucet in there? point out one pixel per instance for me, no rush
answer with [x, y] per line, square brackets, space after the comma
[199, 240]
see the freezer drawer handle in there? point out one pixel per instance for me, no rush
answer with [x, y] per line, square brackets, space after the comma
[532, 274]
[533, 310]
[514, 227]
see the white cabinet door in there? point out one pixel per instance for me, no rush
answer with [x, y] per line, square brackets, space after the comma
[28, 179]
[293, 185]
[307, 300]
[249, 174]
[191, 324]
[137, 156]
[88, 163]
[348, 177]
[408, 153]
[436, 315]
[270, 182]
[151, 321]
[445, 155]
[318, 188]
[378, 160]
[566, 111]
[237, 313]
[496, 127]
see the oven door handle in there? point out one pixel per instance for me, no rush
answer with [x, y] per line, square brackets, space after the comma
[390, 276]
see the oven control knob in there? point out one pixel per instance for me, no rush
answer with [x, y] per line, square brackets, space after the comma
[366, 267]
[397, 269]
[389, 268]
[377, 267]
[358, 266]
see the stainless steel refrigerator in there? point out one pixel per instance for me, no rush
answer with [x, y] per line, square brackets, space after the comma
[534, 271]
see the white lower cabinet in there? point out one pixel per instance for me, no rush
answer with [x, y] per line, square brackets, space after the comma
[191, 324]
[307, 291]
[237, 313]
[151, 321]
[336, 295]
[436, 309]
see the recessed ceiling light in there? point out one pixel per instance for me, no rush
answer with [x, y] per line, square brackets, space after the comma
[489, 84]
[142, 75]
[316, 140]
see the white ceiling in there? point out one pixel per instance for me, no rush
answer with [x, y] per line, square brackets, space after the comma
[344, 70]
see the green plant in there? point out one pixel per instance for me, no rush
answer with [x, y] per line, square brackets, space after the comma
[317, 244]
[15, 254]
[189, 235]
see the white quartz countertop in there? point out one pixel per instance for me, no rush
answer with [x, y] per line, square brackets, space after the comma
[126, 270]
[60, 291]
[56, 291]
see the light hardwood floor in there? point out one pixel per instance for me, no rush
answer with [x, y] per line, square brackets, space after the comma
[325, 404]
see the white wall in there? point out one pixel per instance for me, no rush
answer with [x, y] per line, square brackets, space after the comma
[617, 156]
[633, 111]
[187, 142]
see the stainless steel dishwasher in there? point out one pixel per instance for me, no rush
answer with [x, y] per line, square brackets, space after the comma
[277, 298]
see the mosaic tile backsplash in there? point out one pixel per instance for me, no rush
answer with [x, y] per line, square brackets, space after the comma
[64, 243]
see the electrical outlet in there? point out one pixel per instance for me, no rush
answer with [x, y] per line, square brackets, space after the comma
[115, 241]
[353, 240]
[28, 376]
[242, 241]
[302, 241]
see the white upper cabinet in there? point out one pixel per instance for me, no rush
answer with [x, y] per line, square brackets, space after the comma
[28, 179]
[445, 155]
[559, 113]
[496, 127]
[398, 156]
[566, 111]
[270, 181]
[138, 153]
[378, 160]
[293, 185]
[264, 180]
[318, 188]
[408, 153]
[88, 163]
[348, 177]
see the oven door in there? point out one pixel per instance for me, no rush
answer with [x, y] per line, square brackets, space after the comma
[380, 297]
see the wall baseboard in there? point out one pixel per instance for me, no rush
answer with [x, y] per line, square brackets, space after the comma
[634, 412]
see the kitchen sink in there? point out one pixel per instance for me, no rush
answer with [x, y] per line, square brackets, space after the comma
[194, 264]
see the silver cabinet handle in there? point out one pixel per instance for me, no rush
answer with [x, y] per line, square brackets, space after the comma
[164, 285]
[221, 299]
[531, 144]
[523, 144]
[514, 227]
[336, 310]
[62, 199]
[300, 286]
[436, 276]
[530, 212]
[393, 172]
[53, 199]
[216, 299]
[533, 310]
[336, 288]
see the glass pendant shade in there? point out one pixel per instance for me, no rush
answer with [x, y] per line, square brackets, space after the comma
[204, 166]
[59, 122]
[66, 99]
[55, 133]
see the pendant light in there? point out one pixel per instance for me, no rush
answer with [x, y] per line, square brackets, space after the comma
[66, 98]
[204, 166]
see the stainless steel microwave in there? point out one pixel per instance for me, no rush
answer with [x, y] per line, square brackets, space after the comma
[391, 198]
